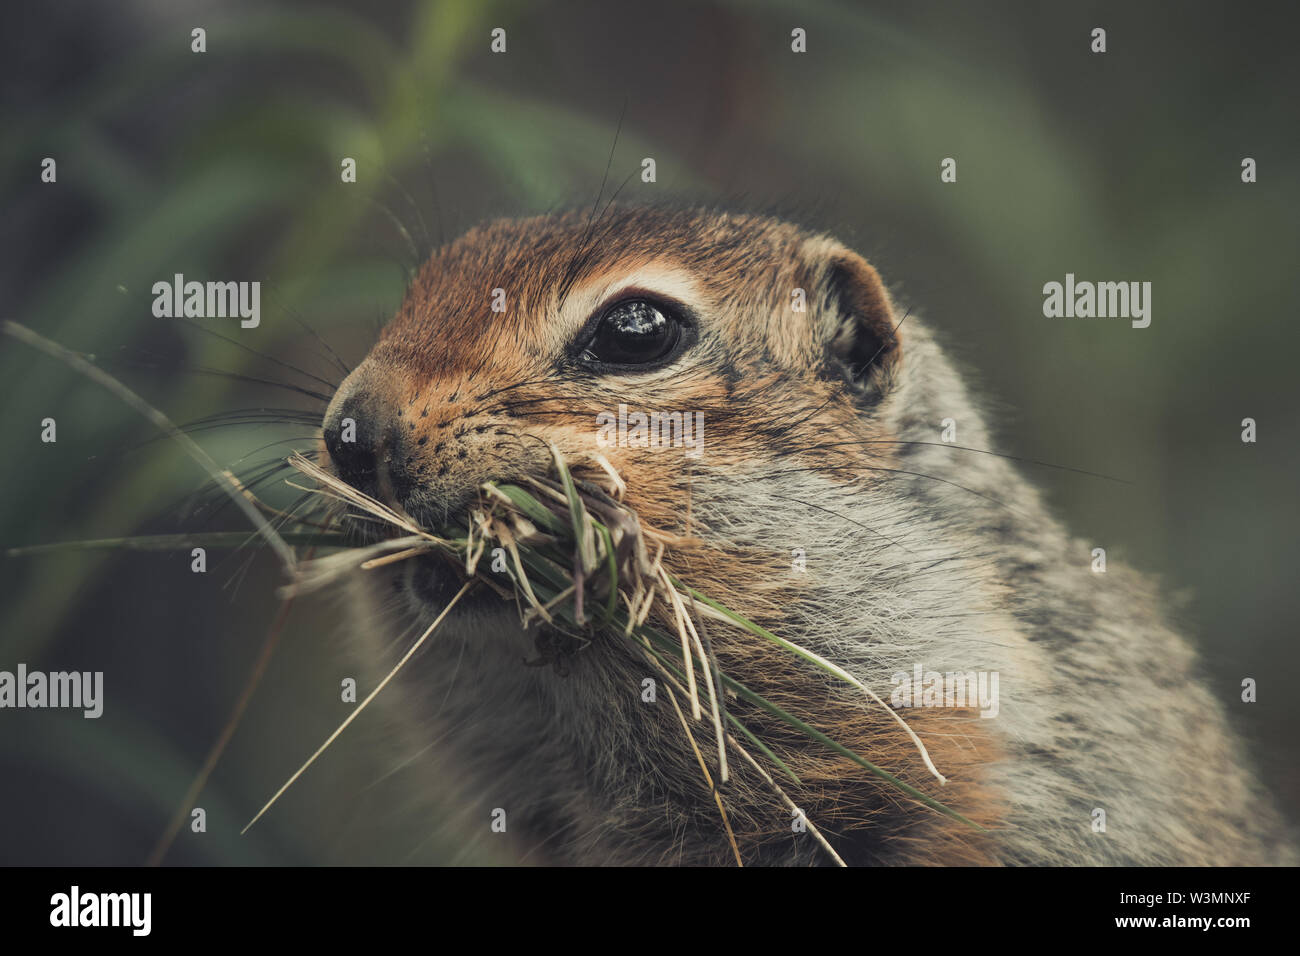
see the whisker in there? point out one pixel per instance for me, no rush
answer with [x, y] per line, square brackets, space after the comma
[822, 470]
[570, 273]
[203, 370]
[262, 355]
[419, 217]
[402, 231]
[297, 317]
[844, 517]
[977, 451]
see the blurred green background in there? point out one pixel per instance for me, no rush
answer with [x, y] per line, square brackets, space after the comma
[1124, 166]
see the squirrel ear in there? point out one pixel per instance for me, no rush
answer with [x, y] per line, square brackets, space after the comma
[861, 334]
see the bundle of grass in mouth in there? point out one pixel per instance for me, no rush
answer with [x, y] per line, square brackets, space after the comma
[579, 561]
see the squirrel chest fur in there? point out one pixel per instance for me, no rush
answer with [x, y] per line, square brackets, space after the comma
[819, 412]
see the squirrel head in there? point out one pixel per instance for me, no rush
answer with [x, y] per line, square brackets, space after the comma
[522, 332]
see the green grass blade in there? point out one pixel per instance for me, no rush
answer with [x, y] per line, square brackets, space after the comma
[168, 542]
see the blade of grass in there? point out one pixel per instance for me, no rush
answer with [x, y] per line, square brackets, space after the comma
[223, 476]
[363, 705]
[582, 532]
[821, 662]
[169, 542]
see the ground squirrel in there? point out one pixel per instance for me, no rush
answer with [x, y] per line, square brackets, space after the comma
[821, 439]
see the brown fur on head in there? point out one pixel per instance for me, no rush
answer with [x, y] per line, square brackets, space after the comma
[462, 393]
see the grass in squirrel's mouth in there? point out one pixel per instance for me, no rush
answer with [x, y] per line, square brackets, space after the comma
[578, 559]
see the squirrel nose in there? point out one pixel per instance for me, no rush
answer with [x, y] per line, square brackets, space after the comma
[353, 432]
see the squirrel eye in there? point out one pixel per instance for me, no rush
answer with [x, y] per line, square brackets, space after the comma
[633, 332]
